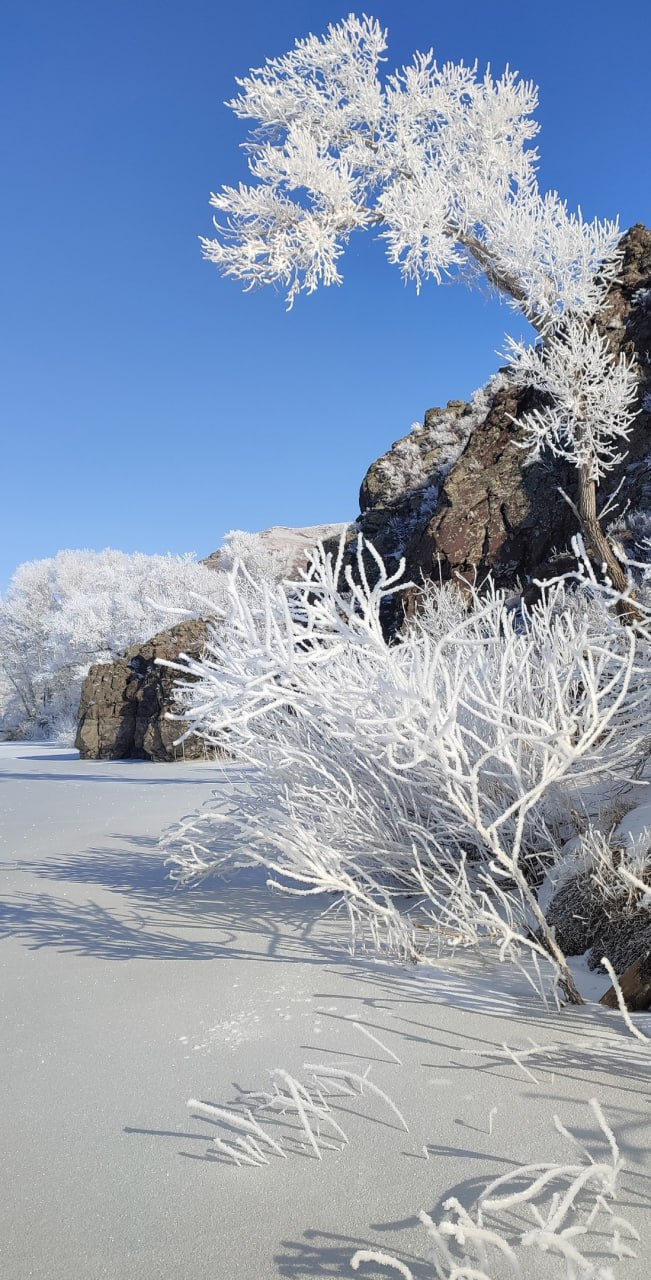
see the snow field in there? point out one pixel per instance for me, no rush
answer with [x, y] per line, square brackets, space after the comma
[123, 999]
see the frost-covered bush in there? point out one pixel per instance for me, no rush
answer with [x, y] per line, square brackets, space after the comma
[62, 614]
[265, 562]
[441, 766]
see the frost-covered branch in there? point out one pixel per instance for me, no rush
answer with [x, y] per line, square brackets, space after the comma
[439, 157]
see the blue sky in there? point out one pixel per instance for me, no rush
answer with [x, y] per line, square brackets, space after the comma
[148, 404]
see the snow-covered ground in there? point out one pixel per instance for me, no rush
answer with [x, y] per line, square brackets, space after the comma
[122, 999]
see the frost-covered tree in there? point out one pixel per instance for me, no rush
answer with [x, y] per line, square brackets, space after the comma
[440, 161]
[62, 614]
[264, 562]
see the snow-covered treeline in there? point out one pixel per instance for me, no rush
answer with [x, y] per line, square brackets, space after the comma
[61, 615]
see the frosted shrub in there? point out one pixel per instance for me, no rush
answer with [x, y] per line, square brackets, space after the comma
[263, 561]
[438, 766]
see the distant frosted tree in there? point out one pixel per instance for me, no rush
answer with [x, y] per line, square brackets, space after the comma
[62, 614]
[440, 161]
[264, 562]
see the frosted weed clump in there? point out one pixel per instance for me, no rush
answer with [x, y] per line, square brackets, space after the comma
[304, 1110]
[568, 1203]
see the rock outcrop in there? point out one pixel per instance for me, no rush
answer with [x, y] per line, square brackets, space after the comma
[634, 984]
[459, 496]
[123, 707]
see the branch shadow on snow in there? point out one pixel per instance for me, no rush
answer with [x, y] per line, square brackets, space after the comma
[140, 914]
[139, 779]
[571, 1043]
[325, 1254]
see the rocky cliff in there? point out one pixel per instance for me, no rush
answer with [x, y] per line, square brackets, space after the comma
[459, 496]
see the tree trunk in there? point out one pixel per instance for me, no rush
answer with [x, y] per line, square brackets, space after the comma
[597, 544]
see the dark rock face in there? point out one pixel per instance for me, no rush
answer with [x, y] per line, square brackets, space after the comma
[124, 703]
[635, 985]
[459, 496]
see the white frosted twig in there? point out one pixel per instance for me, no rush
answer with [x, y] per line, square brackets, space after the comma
[252, 1148]
[365, 1031]
[322, 1069]
[321, 1114]
[491, 1114]
[550, 1242]
[607, 1131]
[466, 1231]
[248, 1124]
[565, 1133]
[639, 1035]
[300, 1108]
[516, 1058]
[237, 1156]
[549, 1173]
[305, 1106]
[383, 1259]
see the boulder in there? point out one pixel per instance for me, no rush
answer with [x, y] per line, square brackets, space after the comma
[124, 703]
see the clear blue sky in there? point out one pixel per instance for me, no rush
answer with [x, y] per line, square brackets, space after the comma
[146, 403]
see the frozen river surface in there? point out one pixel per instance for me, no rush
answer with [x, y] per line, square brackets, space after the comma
[122, 998]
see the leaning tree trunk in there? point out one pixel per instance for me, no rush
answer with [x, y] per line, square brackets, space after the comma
[597, 545]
